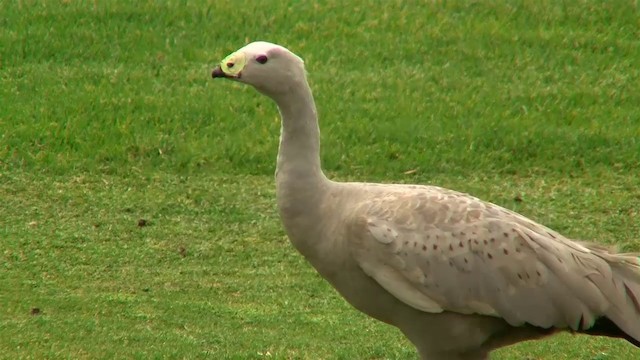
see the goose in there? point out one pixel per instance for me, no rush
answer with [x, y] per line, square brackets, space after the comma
[458, 276]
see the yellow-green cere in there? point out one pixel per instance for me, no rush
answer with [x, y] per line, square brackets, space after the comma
[234, 63]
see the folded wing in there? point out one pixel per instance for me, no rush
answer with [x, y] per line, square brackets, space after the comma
[438, 250]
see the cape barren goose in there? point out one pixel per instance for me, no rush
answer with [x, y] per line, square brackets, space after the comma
[457, 275]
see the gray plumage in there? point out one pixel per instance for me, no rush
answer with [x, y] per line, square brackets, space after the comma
[457, 275]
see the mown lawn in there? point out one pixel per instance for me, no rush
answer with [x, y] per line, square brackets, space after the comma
[137, 212]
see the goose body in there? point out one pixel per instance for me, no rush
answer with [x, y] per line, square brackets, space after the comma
[457, 275]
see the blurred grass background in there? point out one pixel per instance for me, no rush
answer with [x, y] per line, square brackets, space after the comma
[108, 116]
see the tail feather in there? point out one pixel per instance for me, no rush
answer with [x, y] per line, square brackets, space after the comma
[605, 327]
[622, 319]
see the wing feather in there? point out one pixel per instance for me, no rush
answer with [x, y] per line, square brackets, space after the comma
[438, 250]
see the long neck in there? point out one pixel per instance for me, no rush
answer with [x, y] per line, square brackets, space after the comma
[299, 152]
[299, 177]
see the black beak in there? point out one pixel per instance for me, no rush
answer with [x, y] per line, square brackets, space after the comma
[218, 73]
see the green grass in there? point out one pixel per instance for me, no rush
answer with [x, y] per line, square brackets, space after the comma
[108, 115]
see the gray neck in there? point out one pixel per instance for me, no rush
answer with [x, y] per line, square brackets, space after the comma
[299, 177]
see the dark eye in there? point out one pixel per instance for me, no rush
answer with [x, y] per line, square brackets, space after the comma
[261, 59]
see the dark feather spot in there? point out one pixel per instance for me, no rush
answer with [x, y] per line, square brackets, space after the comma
[424, 247]
[415, 243]
[489, 256]
[505, 234]
[492, 239]
[505, 251]
[538, 272]
[475, 241]
[460, 244]
[435, 247]
[450, 247]
[462, 233]
[466, 261]
[486, 242]
[519, 276]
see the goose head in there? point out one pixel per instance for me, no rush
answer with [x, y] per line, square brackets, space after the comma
[270, 68]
